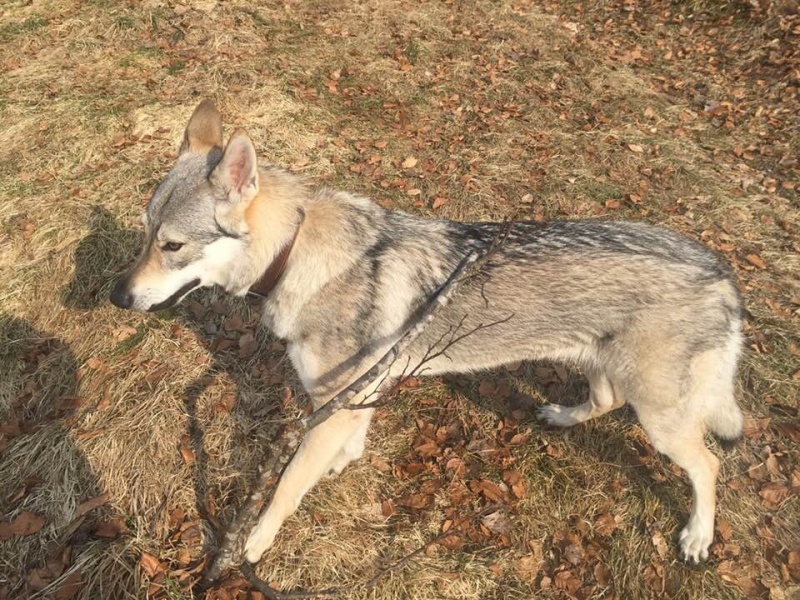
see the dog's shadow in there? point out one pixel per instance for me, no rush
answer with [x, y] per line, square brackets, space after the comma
[612, 439]
[97, 261]
[100, 258]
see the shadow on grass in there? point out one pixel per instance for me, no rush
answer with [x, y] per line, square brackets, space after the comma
[42, 472]
[100, 258]
[599, 441]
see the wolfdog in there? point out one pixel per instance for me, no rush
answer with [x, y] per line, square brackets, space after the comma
[651, 317]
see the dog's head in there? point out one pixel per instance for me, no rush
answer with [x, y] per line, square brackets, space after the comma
[195, 226]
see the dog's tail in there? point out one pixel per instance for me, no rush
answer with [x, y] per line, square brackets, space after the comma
[726, 423]
[723, 417]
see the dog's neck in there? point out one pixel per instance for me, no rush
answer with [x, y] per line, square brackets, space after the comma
[325, 245]
[273, 273]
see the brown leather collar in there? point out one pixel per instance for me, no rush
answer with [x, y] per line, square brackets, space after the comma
[267, 282]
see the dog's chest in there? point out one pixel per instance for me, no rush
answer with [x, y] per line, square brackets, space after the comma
[305, 363]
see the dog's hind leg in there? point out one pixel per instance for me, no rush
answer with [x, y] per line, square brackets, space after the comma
[603, 397]
[320, 452]
[684, 443]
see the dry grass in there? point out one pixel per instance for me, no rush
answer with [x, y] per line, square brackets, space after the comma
[496, 101]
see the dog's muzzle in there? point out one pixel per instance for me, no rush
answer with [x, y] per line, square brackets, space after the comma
[121, 296]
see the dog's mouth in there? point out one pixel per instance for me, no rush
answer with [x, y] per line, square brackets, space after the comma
[176, 297]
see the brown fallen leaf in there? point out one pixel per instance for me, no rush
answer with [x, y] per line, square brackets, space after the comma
[198, 310]
[529, 566]
[724, 528]
[176, 517]
[635, 148]
[605, 524]
[70, 586]
[773, 494]
[94, 363]
[191, 535]
[788, 430]
[492, 491]
[226, 404]
[497, 569]
[758, 472]
[566, 580]
[438, 202]
[5, 530]
[88, 434]
[110, 529]
[26, 523]
[653, 575]
[602, 574]
[151, 565]
[573, 554]
[381, 464]
[247, 345]
[741, 576]
[513, 479]
[793, 563]
[92, 503]
[187, 454]
[416, 501]
[659, 542]
[498, 522]
[38, 579]
[453, 542]
[553, 451]
[756, 261]
[234, 323]
[387, 508]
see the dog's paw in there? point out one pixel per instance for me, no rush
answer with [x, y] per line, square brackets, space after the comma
[553, 414]
[694, 541]
[259, 541]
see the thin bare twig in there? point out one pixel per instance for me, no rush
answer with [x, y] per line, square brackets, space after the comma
[427, 357]
[279, 455]
[271, 594]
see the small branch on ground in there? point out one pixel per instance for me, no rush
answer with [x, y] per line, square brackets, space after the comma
[262, 586]
[290, 436]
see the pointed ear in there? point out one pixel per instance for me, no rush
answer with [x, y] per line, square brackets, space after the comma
[204, 130]
[235, 177]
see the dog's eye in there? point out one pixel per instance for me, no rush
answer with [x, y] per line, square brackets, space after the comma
[172, 246]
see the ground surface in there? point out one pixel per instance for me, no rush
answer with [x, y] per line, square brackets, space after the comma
[678, 114]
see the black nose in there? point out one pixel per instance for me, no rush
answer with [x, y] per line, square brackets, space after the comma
[120, 296]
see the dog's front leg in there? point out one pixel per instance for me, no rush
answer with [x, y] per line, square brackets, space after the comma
[319, 452]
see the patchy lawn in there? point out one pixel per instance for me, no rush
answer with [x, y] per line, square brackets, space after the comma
[126, 439]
